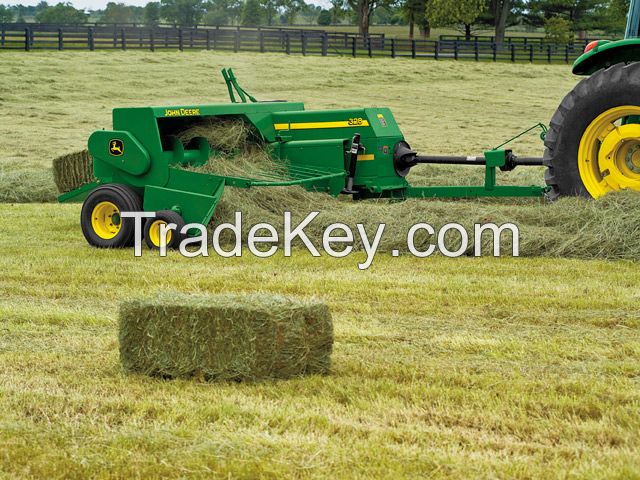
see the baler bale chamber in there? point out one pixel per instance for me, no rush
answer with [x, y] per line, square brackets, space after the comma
[143, 165]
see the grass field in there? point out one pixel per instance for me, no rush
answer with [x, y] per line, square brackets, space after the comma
[467, 368]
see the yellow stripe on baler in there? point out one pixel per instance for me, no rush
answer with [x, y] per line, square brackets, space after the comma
[363, 158]
[317, 125]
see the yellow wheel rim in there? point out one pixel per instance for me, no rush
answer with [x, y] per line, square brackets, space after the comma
[154, 233]
[609, 152]
[105, 220]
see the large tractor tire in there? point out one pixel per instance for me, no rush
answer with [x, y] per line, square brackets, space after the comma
[593, 143]
[100, 218]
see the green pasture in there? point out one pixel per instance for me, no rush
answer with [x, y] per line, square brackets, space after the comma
[442, 368]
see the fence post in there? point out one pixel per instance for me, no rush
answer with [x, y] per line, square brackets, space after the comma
[346, 39]
[124, 39]
[455, 50]
[325, 44]
[494, 51]
[513, 52]
[236, 41]
[287, 43]
[548, 53]
[27, 40]
[354, 46]
[2, 36]
[369, 47]
[180, 40]
[261, 36]
[476, 50]
[61, 39]
[531, 53]
[413, 49]
[303, 43]
[115, 38]
[436, 50]
[166, 39]
[152, 40]
[393, 48]
[92, 43]
[208, 39]
[566, 54]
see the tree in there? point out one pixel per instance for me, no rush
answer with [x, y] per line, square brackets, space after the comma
[182, 12]
[363, 10]
[415, 13]
[116, 13]
[337, 11]
[291, 9]
[558, 30]
[152, 13]
[324, 18]
[583, 14]
[61, 13]
[442, 13]
[252, 14]
[501, 10]
[6, 15]
[270, 9]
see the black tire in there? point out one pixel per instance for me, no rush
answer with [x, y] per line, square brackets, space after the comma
[124, 199]
[606, 89]
[167, 216]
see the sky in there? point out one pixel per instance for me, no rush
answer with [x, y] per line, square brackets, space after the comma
[100, 4]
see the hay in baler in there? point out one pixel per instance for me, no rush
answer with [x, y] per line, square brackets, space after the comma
[72, 171]
[225, 337]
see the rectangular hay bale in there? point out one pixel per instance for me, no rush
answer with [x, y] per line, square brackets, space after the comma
[225, 337]
[72, 171]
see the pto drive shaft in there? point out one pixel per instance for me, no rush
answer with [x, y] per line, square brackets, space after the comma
[404, 159]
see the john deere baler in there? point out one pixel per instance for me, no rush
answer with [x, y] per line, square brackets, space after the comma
[139, 164]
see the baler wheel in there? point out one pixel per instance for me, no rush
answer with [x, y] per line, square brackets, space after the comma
[152, 229]
[100, 218]
[593, 143]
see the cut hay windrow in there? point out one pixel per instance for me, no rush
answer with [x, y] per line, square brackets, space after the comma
[225, 337]
[72, 171]
[570, 227]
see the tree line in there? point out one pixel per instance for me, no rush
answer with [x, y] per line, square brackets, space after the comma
[561, 19]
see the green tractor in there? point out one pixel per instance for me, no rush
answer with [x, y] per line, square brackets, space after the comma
[593, 143]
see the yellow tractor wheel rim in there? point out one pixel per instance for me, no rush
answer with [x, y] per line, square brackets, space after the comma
[154, 233]
[609, 152]
[105, 220]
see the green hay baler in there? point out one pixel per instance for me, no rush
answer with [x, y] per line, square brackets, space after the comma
[142, 165]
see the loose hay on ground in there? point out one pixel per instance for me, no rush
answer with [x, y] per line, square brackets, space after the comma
[225, 337]
[571, 227]
[72, 171]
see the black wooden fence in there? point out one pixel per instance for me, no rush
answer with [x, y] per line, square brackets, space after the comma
[29, 37]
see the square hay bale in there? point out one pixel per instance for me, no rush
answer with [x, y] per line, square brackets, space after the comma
[225, 337]
[73, 170]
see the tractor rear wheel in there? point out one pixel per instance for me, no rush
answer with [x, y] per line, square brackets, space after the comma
[593, 143]
[101, 221]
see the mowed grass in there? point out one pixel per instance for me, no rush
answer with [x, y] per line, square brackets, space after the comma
[51, 102]
[491, 368]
